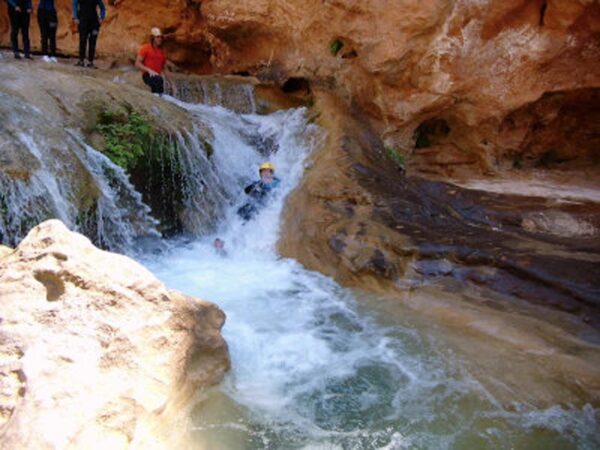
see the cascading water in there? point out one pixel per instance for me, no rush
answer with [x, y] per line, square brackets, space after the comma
[48, 170]
[237, 96]
[312, 367]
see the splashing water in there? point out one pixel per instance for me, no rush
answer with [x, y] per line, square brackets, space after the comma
[312, 367]
[49, 172]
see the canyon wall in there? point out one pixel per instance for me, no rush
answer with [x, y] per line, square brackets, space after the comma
[455, 87]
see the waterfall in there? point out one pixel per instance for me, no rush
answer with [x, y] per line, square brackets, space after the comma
[311, 366]
[49, 172]
[232, 94]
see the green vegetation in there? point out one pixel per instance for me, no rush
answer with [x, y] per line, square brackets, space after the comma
[396, 156]
[149, 155]
[127, 136]
[335, 46]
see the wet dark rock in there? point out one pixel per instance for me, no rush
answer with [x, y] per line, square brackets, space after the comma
[381, 266]
[337, 244]
[413, 231]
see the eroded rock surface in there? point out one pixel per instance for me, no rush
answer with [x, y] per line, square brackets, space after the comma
[459, 87]
[95, 352]
[356, 218]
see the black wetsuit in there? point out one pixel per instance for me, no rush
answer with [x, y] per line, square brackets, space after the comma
[48, 22]
[86, 11]
[259, 192]
[19, 21]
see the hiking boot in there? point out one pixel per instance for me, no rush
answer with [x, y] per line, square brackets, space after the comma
[17, 56]
[79, 64]
[28, 57]
[91, 65]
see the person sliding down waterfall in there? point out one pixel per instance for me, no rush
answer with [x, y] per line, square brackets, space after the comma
[152, 61]
[259, 191]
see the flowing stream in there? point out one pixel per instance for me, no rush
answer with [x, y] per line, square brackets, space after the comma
[312, 366]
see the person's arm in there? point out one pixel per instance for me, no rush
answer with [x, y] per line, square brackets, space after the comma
[75, 11]
[250, 188]
[139, 63]
[29, 6]
[169, 76]
[102, 10]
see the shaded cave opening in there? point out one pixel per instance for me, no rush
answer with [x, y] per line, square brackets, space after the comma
[296, 85]
[431, 132]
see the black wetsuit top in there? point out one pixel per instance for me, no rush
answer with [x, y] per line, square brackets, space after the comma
[258, 191]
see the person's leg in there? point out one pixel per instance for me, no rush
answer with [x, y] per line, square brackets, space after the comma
[147, 81]
[14, 30]
[52, 29]
[93, 38]
[25, 32]
[42, 18]
[83, 38]
[156, 83]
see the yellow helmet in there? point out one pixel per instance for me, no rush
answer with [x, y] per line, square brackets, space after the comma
[266, 166]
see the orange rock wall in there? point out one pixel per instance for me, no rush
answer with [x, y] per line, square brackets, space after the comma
[469, 63]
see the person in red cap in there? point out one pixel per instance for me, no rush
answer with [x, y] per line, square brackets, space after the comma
[152, 61]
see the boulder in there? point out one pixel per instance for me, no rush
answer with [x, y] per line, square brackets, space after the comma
[4, 251]
[95, 352]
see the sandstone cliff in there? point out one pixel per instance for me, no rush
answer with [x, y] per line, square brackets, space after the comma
[457, 87]
[94, 351]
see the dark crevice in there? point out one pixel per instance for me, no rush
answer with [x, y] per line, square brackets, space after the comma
[543, 12]
[431, 132]
[295, 84]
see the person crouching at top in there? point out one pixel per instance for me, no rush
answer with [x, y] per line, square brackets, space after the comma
[85, 15]
[19, 12]
[48, 22]
[152, 62]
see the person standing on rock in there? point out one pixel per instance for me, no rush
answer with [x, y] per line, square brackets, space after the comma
[152, 62]
[19, 12]
[48, 22]
[85, 15]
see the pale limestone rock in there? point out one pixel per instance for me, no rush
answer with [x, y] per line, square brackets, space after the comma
[4, 251]
[557, 223]
[95, 352]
